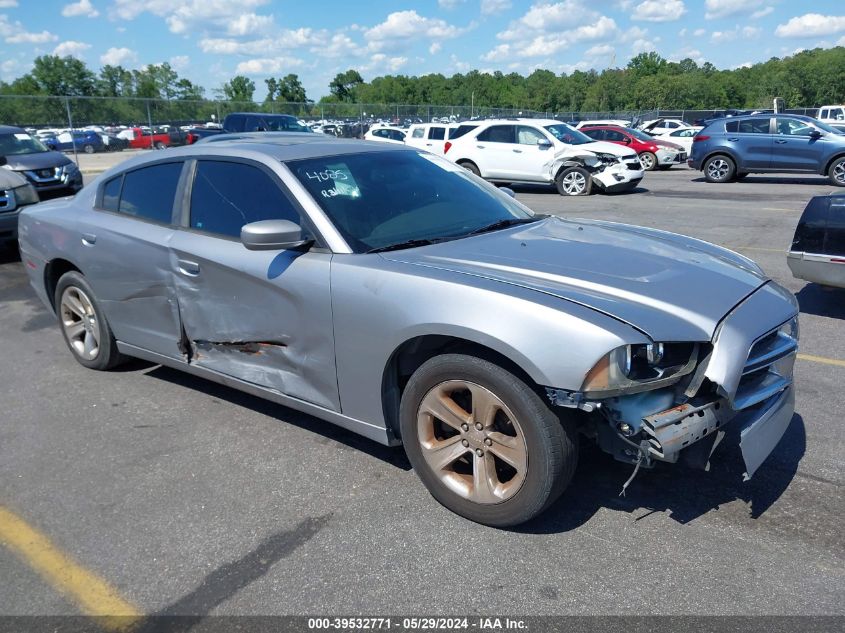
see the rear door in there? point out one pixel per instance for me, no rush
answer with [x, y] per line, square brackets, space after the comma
[752, 140]
[126, 255]
[435, 139]
[494, 151]
[794, 148]
[264, 317]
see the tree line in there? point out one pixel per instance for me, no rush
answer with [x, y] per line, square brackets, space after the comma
[648, 81]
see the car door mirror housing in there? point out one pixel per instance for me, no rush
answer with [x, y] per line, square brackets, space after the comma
[3, 160]
[272, 235]
[815, 134]
[544, 143]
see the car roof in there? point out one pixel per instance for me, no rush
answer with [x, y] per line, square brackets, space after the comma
[11, 129]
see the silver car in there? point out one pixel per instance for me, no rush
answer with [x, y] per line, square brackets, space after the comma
[393, 293]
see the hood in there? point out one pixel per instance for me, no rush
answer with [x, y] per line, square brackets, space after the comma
[10, 179]
[671, 287]
[36, 160]
[609, 148]
[664, 143]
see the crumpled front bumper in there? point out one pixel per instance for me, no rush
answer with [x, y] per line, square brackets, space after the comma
[617, 177]
[671, 157]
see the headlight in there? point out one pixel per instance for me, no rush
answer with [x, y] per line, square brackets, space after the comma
[608, 159]
[790, 328]
[26, 195]
[633, 368]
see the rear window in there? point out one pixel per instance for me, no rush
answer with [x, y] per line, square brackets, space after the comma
[111, 194]
[149, 192]
[437, 133]
[459, 131]
[418, 133]
[499, 134]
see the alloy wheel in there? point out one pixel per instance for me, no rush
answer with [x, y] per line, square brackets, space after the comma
[79, 322]
[647, 161]
[839, 173]
[574, 183]
[718, 169]
[472, 442]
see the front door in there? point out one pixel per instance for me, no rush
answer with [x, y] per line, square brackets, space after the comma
[530, 160]
[794, 148]
[264, 317]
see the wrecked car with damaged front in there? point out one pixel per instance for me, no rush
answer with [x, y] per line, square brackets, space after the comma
[396, 294]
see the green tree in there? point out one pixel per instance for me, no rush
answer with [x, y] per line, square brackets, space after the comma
[56, 75]
[344, 85]
[239, 88]
[290, 90]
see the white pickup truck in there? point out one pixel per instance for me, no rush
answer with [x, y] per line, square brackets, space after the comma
[832, 114]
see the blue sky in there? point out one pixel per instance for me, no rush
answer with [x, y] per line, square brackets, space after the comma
[209, 41]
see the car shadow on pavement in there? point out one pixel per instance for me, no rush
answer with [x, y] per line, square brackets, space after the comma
[775, 180]
[822, 301]
[393, 456]
[9, 253]
[684, 494]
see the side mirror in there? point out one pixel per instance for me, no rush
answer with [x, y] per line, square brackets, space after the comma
[271, 235]
[814, 134]
[626, 140]
[3, 160]
[544, 143]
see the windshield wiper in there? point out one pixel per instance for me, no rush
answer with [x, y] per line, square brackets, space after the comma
[503, 224]
[409, 244]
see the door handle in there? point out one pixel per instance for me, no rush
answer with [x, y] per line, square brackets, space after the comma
[480, 146]
[780, 141]
[192, 269]
[88, 239]
[517, 151]
[428, 144]
[733, 140]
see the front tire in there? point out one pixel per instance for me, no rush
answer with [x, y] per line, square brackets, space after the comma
[719, 168]
[83, 324]
[574, 181]
[88, 148]
[836, 173]
[483, 442]
[648, 161]
[160, 145]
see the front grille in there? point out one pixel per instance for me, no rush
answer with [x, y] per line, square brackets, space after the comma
[768, 368]
[7, 201]
[46, 173]
[634, 164]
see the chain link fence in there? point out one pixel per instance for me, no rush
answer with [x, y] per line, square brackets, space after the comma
[79, 112]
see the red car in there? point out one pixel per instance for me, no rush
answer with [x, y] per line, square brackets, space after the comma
[654, 153]
[140, 139]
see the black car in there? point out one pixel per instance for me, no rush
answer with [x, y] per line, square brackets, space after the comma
[817, 253]
[47, 170]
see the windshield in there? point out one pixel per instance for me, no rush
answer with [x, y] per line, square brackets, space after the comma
[20, 143]
[640, 135]
[284, 124]
[824, 127]
[568, 135]
[380, 199]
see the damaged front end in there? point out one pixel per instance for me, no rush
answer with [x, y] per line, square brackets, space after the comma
[672, 402]
[609, 172]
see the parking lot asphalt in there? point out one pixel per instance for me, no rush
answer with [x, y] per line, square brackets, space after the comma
[191, 498]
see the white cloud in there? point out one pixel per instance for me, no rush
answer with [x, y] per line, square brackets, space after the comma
[72, 48]
[659, 11]
[723, 8]
[761, 14]
[449, 4]
[401, 27]
[8, 4]
[81, 8]
[267, 66]
[643, 46]
[118, 56]
[179, 62]
[600, 50]
[699, 32]
[812, 25]
[435, 48]
[340, 45]
[23, 37]
[249, 23]
[492, 7]
[841, 41]
[687, 53]
[282, 40]
[746, 32]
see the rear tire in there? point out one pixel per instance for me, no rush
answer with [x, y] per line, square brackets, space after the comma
[719, 168]
[83, 324]
[465, 461]
[471, 167]
[836, 173]
[160, 145]
[88, 148]
[574, 181]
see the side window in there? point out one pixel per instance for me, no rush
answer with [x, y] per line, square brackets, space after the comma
[149, 192]
[823, 113]
[437, 133]
[793, 127]
[225, 196]
[528, 135]
[396, 135]
[597, 135]
[672, 125]
[498, 134]
[613, 135]
[754, 126]
[111, 194]
[418, 132]
[731, 126]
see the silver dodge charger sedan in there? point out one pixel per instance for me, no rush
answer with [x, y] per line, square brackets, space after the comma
[393, 293]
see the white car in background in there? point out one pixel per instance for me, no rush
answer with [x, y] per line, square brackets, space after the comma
[832, 114]
[535, 151]
[617, 122]
[386, 134]
[428, 136]
[682, 137]
[658, 127]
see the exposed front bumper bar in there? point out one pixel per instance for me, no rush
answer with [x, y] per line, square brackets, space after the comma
[762, 431]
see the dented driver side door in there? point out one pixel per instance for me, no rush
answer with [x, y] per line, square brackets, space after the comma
[264, 317]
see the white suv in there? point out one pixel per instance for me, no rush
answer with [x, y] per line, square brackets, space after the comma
[428, 136]
[545, 151]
